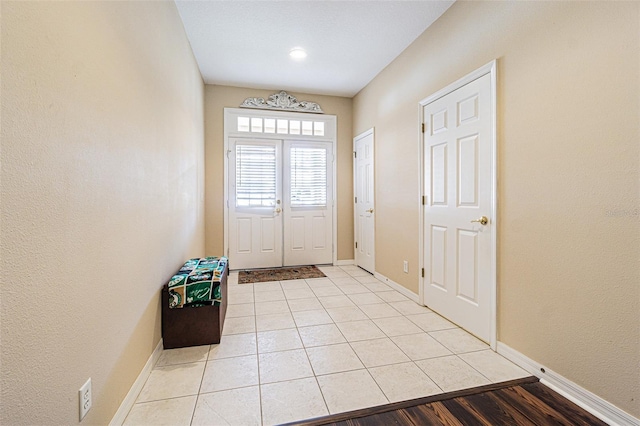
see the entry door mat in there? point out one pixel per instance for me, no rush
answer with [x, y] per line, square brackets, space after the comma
[279, 274]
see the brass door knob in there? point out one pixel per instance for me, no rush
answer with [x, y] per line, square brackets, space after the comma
[278, 210]
[482, 221]
[370, 211]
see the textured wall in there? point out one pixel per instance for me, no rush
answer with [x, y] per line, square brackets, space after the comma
[219, 97]
[102, 197]
[568, 132]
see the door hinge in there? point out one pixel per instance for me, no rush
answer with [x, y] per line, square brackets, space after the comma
[424, 200]
[228, 153]
[356, 198]
[356, 244]
[422, 272]
[422, 127]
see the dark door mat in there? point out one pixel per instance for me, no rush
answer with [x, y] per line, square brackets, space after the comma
[279, 274]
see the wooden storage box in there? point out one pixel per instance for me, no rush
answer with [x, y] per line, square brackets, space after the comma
[193, 326]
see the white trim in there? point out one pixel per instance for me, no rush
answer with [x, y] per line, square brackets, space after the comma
[587, 400]
[334, 243]
[362, 135]
[129, 400]
[399, 288]
[344, 262]
[421, 190]
[331, 135]
[490, 68]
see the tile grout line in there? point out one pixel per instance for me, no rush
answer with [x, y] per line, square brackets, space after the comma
[315, 376]
[255, 332]
[204, 370]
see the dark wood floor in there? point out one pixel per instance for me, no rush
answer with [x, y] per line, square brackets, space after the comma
[518, 402]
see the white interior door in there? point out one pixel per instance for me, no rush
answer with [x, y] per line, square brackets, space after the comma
[458, 244]
[364, 201]
[308, 199]
[255, 194]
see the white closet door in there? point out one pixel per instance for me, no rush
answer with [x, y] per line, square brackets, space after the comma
[364, 193]
[457, 217]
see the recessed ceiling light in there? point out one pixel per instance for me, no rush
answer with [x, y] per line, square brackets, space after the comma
[298, 53]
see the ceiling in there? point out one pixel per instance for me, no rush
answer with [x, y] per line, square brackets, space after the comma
[247, 43]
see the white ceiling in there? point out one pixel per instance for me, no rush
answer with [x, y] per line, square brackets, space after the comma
[247, 43]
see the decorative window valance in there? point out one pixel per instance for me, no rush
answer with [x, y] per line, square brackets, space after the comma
[282, 101]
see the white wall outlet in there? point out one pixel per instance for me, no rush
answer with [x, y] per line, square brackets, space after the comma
[84, 395]
[405, 266]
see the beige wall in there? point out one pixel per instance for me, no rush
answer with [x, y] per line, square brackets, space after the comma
[568, 129]
[219, 97]
[102, 197]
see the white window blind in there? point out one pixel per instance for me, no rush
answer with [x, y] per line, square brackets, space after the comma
[255, 176]
[308, 176]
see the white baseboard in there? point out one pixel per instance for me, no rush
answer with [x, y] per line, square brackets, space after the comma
[127, 404]
[591, 402]
[344, 262]
[394, 285]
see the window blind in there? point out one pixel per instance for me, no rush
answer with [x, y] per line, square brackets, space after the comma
[255, 176]
[308, 176]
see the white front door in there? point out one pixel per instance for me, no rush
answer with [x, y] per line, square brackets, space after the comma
[364, 202]
[308, 198]
[458, 246]
[280, 203]
[255, 197]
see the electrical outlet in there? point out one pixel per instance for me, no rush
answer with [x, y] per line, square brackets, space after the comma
[405, 266]
[84, 395]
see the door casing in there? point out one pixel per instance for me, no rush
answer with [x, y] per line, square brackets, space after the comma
[491, 69]
[230, 131]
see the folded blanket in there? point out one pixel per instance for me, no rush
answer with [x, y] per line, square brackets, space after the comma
[197, 283]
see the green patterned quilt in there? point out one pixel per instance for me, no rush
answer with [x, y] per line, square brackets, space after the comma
[197, 283]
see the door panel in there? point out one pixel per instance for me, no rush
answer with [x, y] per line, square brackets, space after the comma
[438, 256]
[467, 283]
[439, 174]
[468, 171]
[364, 206]
[244, 232]
[457, 248]
[269, 240]
[319, 235]
[297, 227]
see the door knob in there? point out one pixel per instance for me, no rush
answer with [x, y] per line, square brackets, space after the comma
[278, 210]
[370, 211]
[482, 221]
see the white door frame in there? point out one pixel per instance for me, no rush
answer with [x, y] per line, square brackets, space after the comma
[491, 69]
[230, 132]
[364, 134]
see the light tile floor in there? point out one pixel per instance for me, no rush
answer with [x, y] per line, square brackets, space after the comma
[314, 347]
